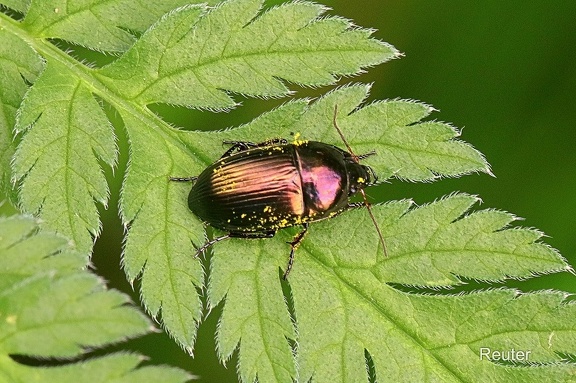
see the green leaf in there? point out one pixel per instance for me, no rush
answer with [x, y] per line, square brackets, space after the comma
[162, 66]
[19, 64]
[315, 122]
[255, 314]
[59, 155]
[95, 24]
[51, 308]
[228, 49]
[416, 338]
[17, 5]
[405, 148]
[109, 369]
[345, 315]
[246, 272]
[425, 335]
[158, 242]
[63, 123]
[344, 306]
[473, 247]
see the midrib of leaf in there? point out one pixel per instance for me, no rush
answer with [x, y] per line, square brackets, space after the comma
[408, 149]
[404, 329]
[223, 59]
[386, 143]
[265, 345]
[441, 251]
[67, 173]
[168, 258]
[497, 333]
[318, 259]
[54, 323]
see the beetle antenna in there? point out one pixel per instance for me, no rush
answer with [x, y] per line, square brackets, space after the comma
[375, 223]
[357, 160]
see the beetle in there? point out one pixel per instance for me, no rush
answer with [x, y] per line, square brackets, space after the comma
[256, 189]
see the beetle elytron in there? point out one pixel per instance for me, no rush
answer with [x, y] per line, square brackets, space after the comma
[255, 189]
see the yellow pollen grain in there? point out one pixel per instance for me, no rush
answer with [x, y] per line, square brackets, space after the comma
[297, 141]
[243, 215]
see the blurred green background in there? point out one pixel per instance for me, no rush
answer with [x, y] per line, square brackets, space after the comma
[503, 71]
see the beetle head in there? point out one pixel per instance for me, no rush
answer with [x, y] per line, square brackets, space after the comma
[359, 176]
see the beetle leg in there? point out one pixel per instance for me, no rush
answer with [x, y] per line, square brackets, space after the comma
[202, 248]
[240, 146]
[241, 234]
[274, 141]
[248, 144]
[267, 234]
[237, 146]
[295, 243]
[374, 175]
[183, 179]
[366, 155]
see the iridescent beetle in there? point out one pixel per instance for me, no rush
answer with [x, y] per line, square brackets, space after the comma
[255, 189]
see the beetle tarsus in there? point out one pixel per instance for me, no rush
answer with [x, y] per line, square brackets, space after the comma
[183, 179]
[366, 155]
[252, 235]
[237, 146]
[203, 248]
[267, 234]
[241, 146]
[295, 243]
